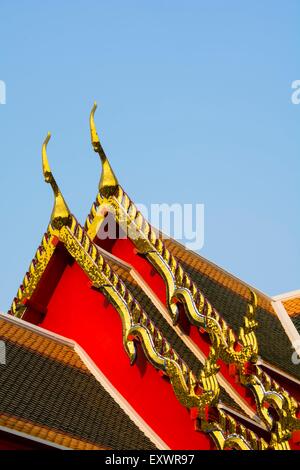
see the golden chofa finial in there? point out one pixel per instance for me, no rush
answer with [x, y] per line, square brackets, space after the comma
[61, 214]
[108, 182]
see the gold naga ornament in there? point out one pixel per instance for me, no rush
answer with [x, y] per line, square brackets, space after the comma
[136, 325]
[181, 289]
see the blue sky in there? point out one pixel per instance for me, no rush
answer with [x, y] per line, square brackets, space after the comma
[195, 107]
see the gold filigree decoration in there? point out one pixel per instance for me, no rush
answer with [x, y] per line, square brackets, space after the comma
[241, 351]
[32, 277]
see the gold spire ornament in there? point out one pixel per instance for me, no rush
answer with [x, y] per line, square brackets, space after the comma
[108, 182]
[61, 214]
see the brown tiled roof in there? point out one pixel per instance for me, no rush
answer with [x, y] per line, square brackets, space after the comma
[230, 296]
[292, 306]
[41, 344]
[12, 423]
[168, 332]
[296, 320]
[47, 392]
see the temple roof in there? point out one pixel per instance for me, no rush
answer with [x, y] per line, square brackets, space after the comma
[48, 392]
[194, 286]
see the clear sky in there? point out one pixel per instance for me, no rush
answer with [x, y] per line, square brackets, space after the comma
[195, 107]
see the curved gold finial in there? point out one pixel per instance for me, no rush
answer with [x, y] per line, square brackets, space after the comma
[46, 166]
[94, 135]
[61, 214]
[108, 182]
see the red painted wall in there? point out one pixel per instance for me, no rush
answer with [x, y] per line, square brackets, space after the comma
[125, 250]
[83, 314]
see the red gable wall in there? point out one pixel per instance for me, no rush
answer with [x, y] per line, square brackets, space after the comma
[79, 312]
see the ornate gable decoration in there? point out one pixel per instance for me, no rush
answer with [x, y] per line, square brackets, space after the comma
[198, 394]
[242, 352]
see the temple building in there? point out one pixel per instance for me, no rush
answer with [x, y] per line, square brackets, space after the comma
[135, 342]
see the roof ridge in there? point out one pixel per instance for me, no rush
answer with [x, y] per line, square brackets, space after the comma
[219, 268]
[294, 294]
[264, 301]
[37, 329]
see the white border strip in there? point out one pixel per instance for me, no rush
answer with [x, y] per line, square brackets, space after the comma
[288, 295]
[37, 329]
[287, 324]
[278, 371]
[29, 437]
[256, 421]
[129, 410]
